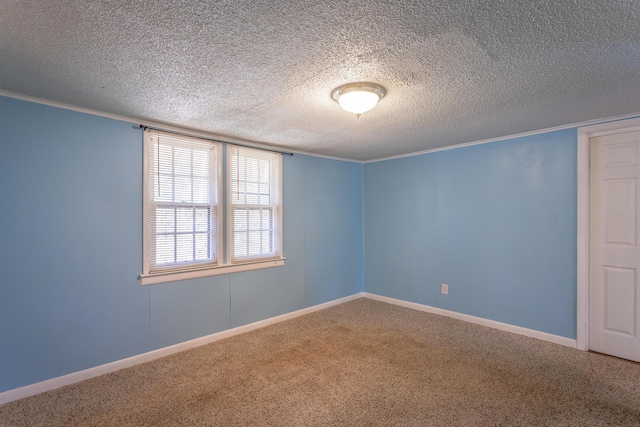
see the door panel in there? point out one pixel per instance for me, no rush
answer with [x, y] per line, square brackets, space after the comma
[619, 300]
[620, 211]
[614, 253]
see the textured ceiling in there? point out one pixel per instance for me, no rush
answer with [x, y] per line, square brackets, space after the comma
[455, 71]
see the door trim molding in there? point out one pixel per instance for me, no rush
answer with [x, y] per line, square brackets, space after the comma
[582, 246]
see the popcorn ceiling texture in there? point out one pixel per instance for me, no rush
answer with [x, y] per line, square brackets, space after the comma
[455, 71]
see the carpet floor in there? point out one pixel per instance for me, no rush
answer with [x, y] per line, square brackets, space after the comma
[362, 363]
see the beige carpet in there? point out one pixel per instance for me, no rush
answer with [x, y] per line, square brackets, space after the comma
[363, 363]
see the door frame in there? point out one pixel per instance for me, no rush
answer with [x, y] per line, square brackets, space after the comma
[582, 295]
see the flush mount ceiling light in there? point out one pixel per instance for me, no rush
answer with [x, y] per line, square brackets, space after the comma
[358, 98]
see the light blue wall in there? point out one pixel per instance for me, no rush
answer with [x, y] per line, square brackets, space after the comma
[71, 248]
[496, 222]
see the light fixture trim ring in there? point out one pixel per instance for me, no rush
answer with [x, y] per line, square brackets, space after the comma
[360, 86]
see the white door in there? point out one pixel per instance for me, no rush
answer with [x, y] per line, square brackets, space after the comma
[614, 294]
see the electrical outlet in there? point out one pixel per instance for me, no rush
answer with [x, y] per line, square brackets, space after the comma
[444, 288]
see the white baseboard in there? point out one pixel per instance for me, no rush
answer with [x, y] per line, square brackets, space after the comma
[75, 377]
[569, 342]
[54, 383]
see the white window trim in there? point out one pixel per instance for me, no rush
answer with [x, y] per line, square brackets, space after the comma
[152, 279]
[223, 266]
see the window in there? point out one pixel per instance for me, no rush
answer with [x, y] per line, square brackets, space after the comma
[185, 212]
[182, 195]
[254, 207]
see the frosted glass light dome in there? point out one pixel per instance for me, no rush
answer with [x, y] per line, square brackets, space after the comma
[358, 98]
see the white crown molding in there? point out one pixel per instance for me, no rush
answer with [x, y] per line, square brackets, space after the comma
[231, 140]
[503, 138]
[169, 127]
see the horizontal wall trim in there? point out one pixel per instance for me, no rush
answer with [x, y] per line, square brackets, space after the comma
[266, 146]
[556, 339]
[152, 279]
[55, 383]
[503, 138]
[170, 127]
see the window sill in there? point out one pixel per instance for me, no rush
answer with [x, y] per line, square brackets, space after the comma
[152, 279]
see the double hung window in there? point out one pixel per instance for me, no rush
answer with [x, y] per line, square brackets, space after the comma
[185, 211]
[182, 202]
[254, 208]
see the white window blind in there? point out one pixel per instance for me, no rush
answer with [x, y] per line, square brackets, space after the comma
[255, 211]
[181, 202]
